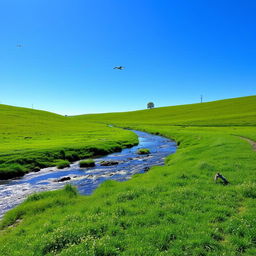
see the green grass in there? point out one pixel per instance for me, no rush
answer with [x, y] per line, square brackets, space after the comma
[87, 163]
[32, 139]
[143, 151]
[61, 164]
[176, 209]
[234, 112]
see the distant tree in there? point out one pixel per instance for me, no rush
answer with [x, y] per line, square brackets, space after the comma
[150, 105]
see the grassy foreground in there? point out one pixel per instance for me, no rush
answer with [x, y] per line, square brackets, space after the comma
[174, 209]
[33, 139]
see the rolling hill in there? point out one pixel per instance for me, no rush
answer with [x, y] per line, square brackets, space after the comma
[237, 111]
[33, 139]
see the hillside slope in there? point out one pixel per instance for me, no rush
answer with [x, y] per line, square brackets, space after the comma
[32, 139]
[237, 111]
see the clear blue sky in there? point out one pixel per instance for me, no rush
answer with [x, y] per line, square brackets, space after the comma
[173, 52]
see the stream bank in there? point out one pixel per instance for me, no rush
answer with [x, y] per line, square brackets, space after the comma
[128, 163]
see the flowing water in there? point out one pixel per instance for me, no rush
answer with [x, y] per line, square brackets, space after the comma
[13, 192]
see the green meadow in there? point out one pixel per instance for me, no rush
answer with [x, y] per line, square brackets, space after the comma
[175, 210]
[33, 139]
[231, 112]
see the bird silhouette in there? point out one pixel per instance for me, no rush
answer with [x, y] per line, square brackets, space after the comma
[120, 68]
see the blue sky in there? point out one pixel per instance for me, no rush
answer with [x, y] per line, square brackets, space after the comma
[173, 52]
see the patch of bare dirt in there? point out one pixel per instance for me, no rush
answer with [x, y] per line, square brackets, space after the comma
[253, 143]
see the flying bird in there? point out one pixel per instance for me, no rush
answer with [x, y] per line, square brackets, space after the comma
[120, 68]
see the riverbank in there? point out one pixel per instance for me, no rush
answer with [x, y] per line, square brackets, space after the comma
[86, 180]
[34, 139]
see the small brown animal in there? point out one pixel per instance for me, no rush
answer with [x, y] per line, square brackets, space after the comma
[220, 176]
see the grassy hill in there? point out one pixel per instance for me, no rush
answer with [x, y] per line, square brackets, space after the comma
[237, 111]
[176, 209]
[32, 139]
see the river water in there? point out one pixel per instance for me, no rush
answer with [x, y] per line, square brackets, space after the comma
[15, 191]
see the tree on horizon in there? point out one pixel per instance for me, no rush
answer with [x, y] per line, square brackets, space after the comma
[150, 105]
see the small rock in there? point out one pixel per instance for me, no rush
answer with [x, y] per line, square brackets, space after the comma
[36, 169]
[143, 151]
[63, 179]
[108, 163]
[146, 169]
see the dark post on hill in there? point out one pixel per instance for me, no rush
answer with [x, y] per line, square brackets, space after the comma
[150, 105]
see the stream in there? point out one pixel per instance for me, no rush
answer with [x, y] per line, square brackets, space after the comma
[15, 191]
